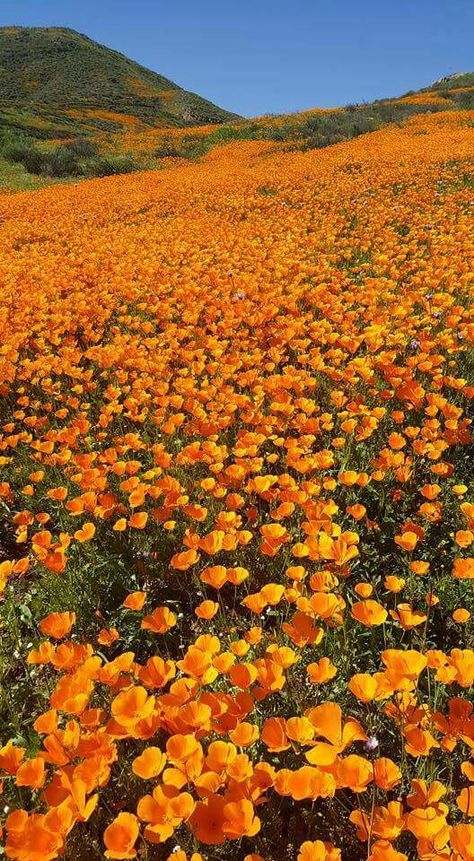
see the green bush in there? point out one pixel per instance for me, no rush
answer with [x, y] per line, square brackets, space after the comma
[61, 162]
[25, 153]
[320, 130]
[168, 152]
[111, 165]
[82, 147]
[76, 158]
[463, 101]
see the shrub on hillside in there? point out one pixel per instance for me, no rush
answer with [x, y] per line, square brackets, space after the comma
[110, 165]
[25, 153]
[61, 162]
[76, 158]
[82, 147]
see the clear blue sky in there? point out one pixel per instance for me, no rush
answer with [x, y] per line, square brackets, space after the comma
[262, 56]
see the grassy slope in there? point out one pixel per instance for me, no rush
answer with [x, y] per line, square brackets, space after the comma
[55, 83]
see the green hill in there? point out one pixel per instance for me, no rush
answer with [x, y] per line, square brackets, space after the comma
[55, 82]
[72, 108]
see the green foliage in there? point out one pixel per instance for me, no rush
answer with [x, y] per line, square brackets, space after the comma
[463, 101]
[109, 165]
[79, 158]
[326, 129]
[193, 146]
[26, 154]
[82, 147]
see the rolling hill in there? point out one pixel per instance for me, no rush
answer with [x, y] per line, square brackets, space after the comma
[70, 108]
[55, 82]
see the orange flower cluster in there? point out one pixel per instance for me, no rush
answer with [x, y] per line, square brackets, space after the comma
[237, 501]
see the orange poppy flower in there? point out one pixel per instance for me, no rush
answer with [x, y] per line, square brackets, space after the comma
[156, 672]
[387, 775]
[206, 609]
[150, 763]
[354, 772]
[31, 773]
[407, 541]
[180, 748]
[120, 525]
[426, 822]
[198, 665]
[274, 536]
[461, 839]
[463, 569]
[419, 741]
[108, 636]
[394, 584]
[244, 734]
[131, 706]
[240, 820]
[243, 675]
[159, 621]
[369, 613]
[321, 672]
[327, 605]
[461, 616]
[57, 625]
[383, 850]
[237, 575]
[215, 576]
[328, 724]
[120, 836]
[357, 511]
[407, 664]
[464, 537]
[364, 590]
[300, 730]
[386, 822]
[465, 799]
[85, 533]
[183, 561]
[208, 819]
[316, 850]
[467, 769]
[47, 722]
[348, 478]
[213, 542]
[407, 617]
[138, 520]
[135, 601]
[363, 686]
[419, 567]
[274, 734]
[306, 782]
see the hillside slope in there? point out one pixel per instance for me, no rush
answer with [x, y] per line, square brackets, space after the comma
[237, 506]
[71, 108]
[52, 79]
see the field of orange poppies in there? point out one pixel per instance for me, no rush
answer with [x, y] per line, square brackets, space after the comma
[237, 507]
